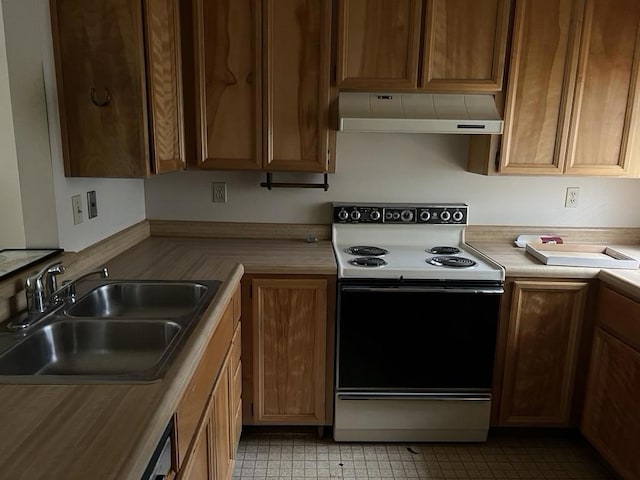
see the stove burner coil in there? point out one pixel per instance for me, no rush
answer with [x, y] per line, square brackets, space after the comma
[367, 251]
[367, 262]
[453, 262]
[444, 250]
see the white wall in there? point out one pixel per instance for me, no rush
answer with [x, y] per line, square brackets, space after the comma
[43, 191]
[24, 57]
[11, 218]
[400, 168]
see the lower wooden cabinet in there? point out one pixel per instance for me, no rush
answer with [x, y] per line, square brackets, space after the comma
[611, 420]
[290, 374]
[206, 428]
[539, 352]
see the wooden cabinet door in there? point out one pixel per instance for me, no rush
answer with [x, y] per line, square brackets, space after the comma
[164, 80]
[464, 45]
[289, 351]
[541, 81]
[198, 465]
[542, 349]
[100, 71]
[296, 63]
[228, 83]
[606, 104]
[611, 421]
[378, 44]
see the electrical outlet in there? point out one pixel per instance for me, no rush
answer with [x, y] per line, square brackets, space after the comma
[571, 200]
[219, 192]
[92, 204]
[76, 204]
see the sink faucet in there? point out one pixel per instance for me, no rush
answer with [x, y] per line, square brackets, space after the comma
[40, 286]
[43, 293]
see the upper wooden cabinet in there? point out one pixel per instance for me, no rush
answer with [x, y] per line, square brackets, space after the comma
[262, 77]
[572, 101]
[118, 69]
[459, 43]
[606, 103]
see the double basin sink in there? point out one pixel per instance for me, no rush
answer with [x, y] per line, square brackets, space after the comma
[120, 331]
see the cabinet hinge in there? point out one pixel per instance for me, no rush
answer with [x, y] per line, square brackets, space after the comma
[497, 161]
[252, 409]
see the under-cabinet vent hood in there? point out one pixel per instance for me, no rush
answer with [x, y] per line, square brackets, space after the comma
[418, 113]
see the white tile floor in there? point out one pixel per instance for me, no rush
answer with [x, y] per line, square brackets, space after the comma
[506, 455]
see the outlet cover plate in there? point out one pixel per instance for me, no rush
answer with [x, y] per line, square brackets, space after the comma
[219, 192]
[92, 204]
[76, 205]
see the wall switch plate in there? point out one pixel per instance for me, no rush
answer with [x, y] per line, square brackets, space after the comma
[219, 192]
[76, 204]
[571, 200]
[92, 204]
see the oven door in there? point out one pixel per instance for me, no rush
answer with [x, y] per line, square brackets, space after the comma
[415, 360]
[409, 338]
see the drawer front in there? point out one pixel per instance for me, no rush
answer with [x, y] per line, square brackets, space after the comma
[619, 315]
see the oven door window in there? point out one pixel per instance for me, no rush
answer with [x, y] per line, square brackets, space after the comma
[416, 341]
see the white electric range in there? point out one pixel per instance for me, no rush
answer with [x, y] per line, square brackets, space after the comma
[417, 315]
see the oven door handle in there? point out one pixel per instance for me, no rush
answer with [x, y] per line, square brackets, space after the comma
[414, 289]
[467, 397]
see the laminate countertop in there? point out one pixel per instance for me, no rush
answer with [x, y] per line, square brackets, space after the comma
[109, 431]
[518, 263]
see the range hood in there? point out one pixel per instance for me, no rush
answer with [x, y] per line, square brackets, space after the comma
[418, 113]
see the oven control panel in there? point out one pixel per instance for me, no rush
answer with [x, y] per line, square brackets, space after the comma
[436, 213]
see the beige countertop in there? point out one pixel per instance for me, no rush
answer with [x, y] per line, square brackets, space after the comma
[518, 263]
[109, 431]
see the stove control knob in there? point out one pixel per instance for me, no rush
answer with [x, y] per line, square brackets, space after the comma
[406, 215]
[388, 216]
[458, 216]
[355, 215]
[375, 215]
[445, 216]
[425, 215]
[343, 215]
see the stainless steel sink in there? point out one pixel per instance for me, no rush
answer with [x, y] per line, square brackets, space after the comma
[92, 347]
[139, 300]
[119, 331]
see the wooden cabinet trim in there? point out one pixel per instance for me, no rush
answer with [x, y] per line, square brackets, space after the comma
[493, 84]
[508, 407]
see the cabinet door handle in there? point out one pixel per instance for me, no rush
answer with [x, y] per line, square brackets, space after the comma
[100, 103]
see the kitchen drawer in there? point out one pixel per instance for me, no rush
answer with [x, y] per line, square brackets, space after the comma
[619, 315]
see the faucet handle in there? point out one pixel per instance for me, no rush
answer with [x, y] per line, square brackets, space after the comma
[36, 280]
